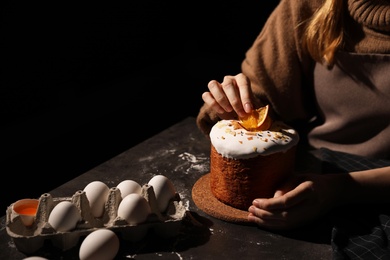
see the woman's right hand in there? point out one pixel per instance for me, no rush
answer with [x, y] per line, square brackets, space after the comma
[231, 98]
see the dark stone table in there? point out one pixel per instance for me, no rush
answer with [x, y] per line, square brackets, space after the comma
[181, 153]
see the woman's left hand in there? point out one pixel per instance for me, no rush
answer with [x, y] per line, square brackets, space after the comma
[301, 200]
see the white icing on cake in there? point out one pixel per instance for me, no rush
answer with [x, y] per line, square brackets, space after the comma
[238, 143]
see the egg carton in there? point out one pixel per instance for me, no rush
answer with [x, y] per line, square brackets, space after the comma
[30, 239]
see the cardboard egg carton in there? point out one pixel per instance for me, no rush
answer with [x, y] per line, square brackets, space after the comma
[30, 239]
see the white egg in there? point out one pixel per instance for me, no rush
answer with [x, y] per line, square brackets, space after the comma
[163, 189]
[134, 208]
[97, 195]
[35, 258]
[101, 244]
[64, 216]
[129, 186]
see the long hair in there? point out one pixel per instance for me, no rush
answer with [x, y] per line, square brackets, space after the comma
[324, 32]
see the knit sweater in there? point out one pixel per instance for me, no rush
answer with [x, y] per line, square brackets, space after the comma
[282, 73]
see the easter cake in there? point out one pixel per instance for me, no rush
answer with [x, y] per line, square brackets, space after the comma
[249, 158]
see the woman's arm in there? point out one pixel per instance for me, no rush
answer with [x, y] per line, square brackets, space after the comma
[371, 186]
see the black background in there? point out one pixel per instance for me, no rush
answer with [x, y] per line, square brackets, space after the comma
[82, 82]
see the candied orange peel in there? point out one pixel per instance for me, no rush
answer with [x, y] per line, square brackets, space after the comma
[258, 120]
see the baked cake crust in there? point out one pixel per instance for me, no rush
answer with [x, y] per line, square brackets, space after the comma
[238, 182]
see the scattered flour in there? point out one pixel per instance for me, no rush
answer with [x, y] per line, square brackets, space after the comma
[192, 163]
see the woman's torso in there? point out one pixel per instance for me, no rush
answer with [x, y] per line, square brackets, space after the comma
[353, 97]
[353, 100]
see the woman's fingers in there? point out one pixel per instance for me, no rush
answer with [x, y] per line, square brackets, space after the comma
[232, 95]
[268, 220]
[287, 200]
[245, 92]
[209, 99]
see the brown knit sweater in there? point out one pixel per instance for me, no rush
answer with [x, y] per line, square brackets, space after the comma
[283, 74]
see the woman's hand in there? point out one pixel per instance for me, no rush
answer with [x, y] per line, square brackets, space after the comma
[230, 98]
[301, 200]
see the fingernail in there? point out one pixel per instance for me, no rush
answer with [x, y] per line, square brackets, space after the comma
[248, 107]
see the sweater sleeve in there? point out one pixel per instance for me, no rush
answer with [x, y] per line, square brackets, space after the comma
[279, 70]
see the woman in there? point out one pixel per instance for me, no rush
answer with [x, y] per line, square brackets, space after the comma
[326, 65]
